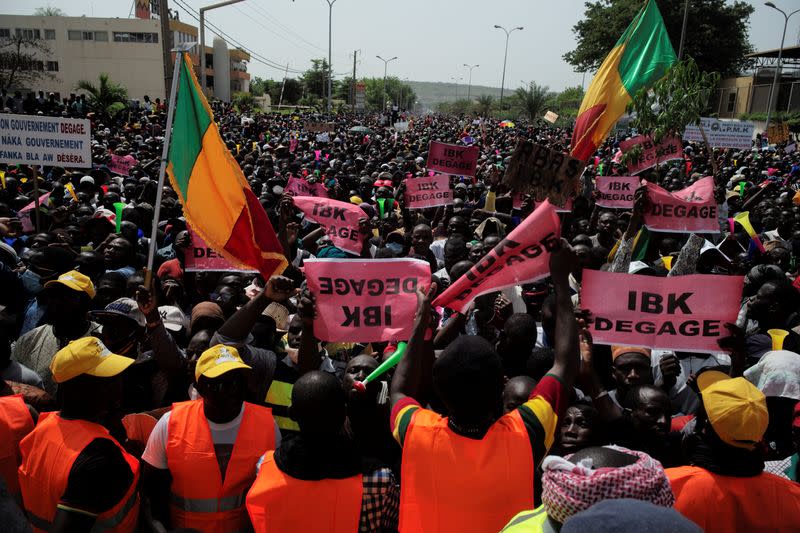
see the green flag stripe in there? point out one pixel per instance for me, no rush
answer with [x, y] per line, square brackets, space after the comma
[189, 126]
[648, 51]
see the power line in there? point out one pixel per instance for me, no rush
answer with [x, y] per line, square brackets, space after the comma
[222, 35]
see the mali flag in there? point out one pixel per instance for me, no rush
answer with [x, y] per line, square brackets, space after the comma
[640, 58]
[217, 201]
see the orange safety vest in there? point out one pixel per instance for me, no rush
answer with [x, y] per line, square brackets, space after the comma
[15, 423]
[139, 426]
[727, 503]
[48, 454]
[278, 502]
[454, 483]
[200, 499]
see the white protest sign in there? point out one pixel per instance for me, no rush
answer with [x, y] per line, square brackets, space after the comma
[736, 134]
[51, 141]
[551, 117]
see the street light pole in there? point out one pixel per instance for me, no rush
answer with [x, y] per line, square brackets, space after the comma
[683, 28]
[385, 67]
[505, 58]
[772, 90]
[203, 38]
[469, 86]
[330, 67]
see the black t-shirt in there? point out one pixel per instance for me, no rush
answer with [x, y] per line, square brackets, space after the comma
[667, 451]
[98, 480]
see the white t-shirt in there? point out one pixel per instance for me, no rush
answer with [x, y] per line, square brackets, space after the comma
[223, 436]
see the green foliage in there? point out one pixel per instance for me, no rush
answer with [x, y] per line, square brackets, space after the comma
[532, 100]
[396, 92]
[674, 101]
[568, 102]
[459, 107]
[107, 97]
[716, 32]
[21, 60]
[483, 105]
[243, 101]
[791, 118]
[316, 78]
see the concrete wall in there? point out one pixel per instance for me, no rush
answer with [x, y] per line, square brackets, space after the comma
[138, 66]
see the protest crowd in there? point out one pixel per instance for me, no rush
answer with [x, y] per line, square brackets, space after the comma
[621, 358]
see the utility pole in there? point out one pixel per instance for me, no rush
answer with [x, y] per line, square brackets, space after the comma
[280, 101]
[683, 28]
[505, 58]
[469, 86]
[773, 90]
[330, 66]
[166, 44]
[353, 83]
[385, 68]
[203, 38]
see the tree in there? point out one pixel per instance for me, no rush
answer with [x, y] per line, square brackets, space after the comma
[20, 65]
[316, 78]
[484, 104]
[48, 11]
[568, 102]
[673, 102]
[292, 92]
[396, 92]
[716, 32]
[106, 98]
[532, 99]
[260, 86]
[243, 101]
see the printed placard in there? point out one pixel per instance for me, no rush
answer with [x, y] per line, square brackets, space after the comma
[428, 191]
[691, 210]
[653, 153]
[677, 313]
[51, 141]
[616, 191]
[122, 164]
[200, 256]
[365, 300]
[544, 172]
[300, 187]
[452, 159]
[339, 219]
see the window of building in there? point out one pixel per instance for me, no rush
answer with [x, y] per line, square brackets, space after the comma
[52, 66]
[74, 35]
[731, 102]
[50, 35]
[5, 33]
[88, 35]
[101, 36]
[29, 33]
[135, 37]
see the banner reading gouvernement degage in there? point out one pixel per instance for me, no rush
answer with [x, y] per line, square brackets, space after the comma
[51, 141]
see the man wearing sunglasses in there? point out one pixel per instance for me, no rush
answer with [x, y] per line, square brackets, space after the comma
[201, 457]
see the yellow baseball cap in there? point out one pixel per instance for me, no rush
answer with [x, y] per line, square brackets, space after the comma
[87, 355]
[736, 409]
[75, 281]
[217, 360]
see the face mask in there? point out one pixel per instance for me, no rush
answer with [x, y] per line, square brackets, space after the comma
[395, 247]
[31, 281]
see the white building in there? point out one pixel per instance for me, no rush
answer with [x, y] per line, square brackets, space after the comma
[81, 48]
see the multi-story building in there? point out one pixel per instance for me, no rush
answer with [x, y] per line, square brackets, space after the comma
[129, 50]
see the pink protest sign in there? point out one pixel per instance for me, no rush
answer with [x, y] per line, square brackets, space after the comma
[122, 164]
[428, 191]
[26, 214]
[199, 256]
[679, 313]
[616, 191]
[652, 153]
[365, 301]
[339, 219]
[692, 210]
[299, 187]
[452, 158]
[521, 257]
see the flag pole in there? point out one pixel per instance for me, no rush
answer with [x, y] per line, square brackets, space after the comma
[162, 170]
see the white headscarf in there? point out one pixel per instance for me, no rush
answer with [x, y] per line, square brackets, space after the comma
[777, 373]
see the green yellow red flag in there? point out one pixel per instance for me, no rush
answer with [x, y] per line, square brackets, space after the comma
[217, 200]
[640, 58]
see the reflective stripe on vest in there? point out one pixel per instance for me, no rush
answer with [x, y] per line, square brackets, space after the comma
[201, 497]
[527, 521]
[209, 505]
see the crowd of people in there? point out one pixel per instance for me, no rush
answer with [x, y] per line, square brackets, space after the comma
[202, 400]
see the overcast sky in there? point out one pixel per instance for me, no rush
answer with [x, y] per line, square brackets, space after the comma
[432, 38]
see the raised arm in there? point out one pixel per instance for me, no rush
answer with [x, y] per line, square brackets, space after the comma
[239, 325]
[565, 367]
[407, 380]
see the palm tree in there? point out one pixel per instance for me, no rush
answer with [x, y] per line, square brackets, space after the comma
[48, 11]
[484, 104]
[107, 98]
[532, 99]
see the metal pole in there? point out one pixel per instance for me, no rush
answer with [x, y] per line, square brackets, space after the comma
[280, 100]
[330, 66]
[151, 253]
[166, 41]
[203, 38]
[772, 90]
[505, 59]
[353, 84]
[683, 28]
[36, 198]
[469, 86]
[385, 68]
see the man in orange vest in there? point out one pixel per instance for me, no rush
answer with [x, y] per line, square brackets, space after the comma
[318, 481]
[474, 469]
[16, 420]
[201, 457]
[726, 488]
[74, 475]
